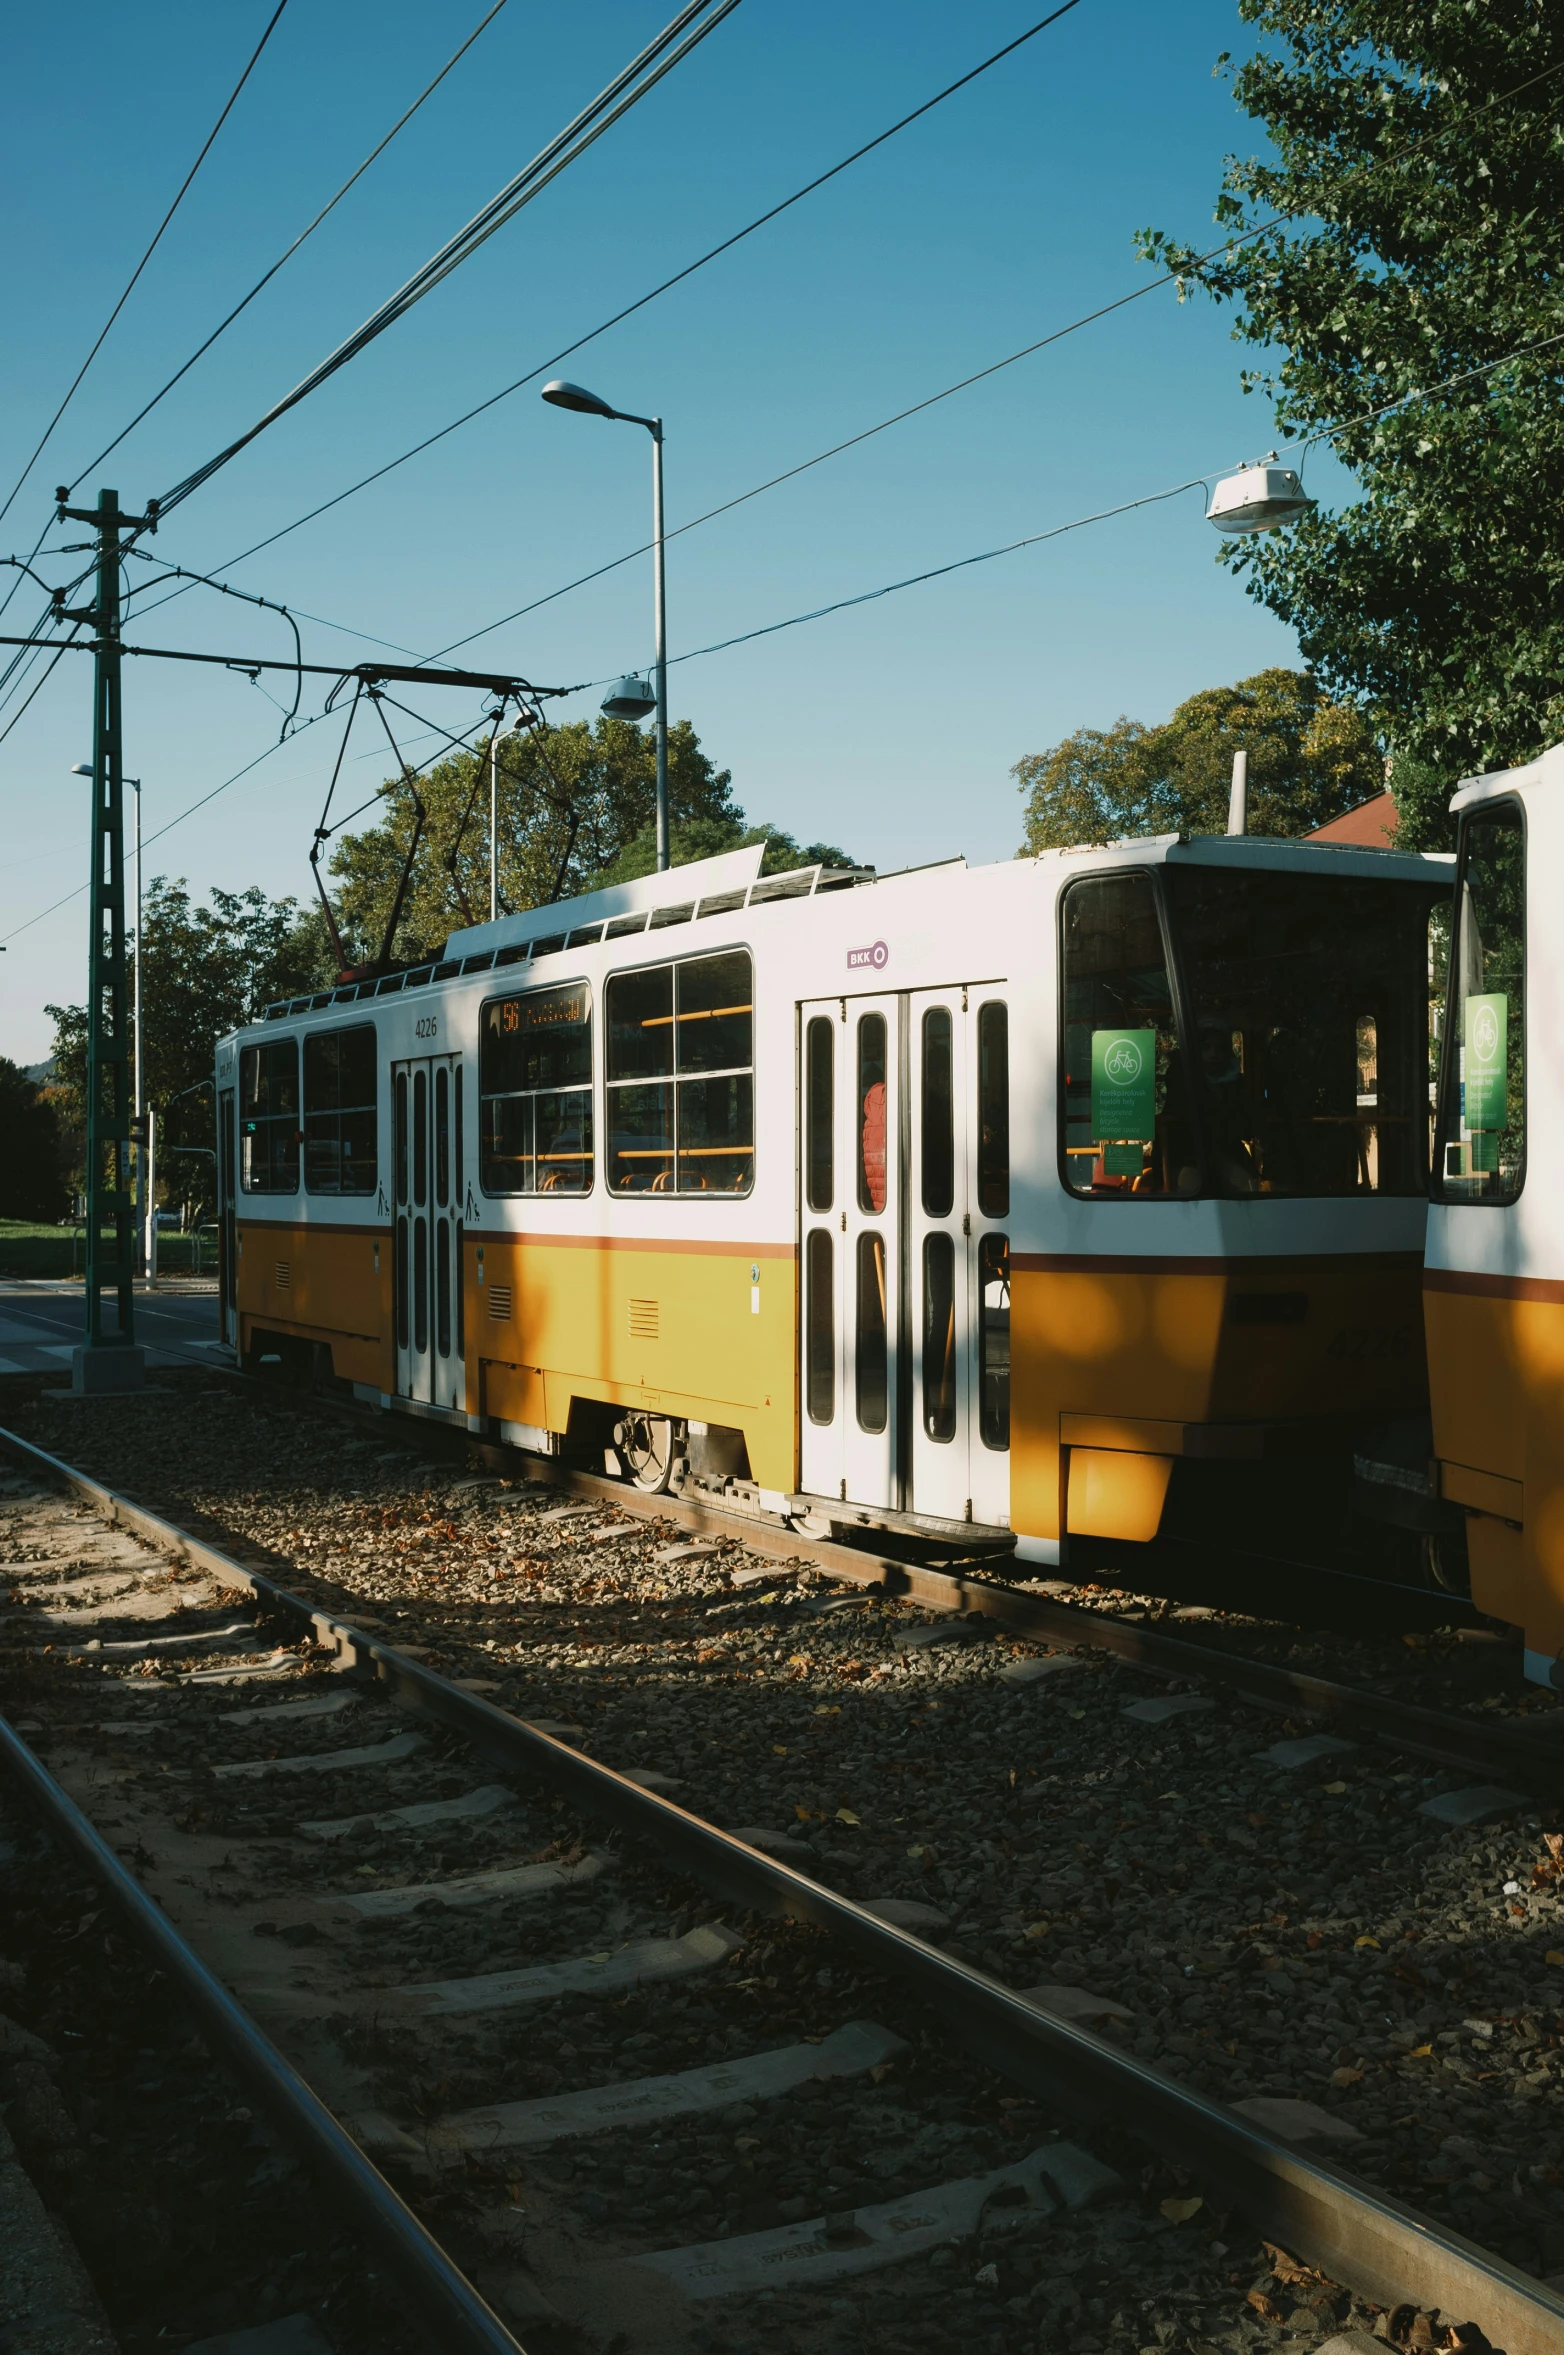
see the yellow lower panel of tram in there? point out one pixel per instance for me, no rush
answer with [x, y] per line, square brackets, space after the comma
[319, 1283]
[697, 1331]
[1132, 1356]
[1496, 1374]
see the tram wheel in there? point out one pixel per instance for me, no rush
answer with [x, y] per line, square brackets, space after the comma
[650, 1451]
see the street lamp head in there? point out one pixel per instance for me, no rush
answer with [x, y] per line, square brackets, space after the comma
[629, 699]
[81, 768]
[576, 396]
[1257, 499]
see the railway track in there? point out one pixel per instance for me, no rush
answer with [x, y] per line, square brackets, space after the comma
[740, 1988]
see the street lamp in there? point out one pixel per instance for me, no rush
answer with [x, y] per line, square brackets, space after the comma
[588, 404]
[1258, 499]
[83, 768]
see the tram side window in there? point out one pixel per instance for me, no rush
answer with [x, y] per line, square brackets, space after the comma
[339, 1111]
[535, 1093]
[269, 1117]
[993, 1186]
[681, 1083]
[1309, 996]
[1125, 1093]
[1482, 1113]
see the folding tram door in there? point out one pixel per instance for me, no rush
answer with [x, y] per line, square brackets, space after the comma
[904, 1196]
[426, 1097]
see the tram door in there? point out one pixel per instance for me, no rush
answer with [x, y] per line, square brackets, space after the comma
[427, 1244]
[906, 1280]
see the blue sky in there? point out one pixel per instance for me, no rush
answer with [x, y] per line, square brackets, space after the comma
[891, 729]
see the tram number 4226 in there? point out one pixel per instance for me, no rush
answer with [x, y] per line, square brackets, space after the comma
[426, 1026]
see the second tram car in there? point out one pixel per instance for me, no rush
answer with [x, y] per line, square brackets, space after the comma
[1494, 1283]
[1043, 1202]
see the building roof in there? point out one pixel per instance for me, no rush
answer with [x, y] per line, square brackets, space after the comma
[1371, 826]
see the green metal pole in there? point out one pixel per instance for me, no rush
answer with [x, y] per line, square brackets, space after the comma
[109, 1199]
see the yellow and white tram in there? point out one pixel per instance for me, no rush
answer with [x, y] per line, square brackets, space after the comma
[1494, 1283]
[1044, 1200]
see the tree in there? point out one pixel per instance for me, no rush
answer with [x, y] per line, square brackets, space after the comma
[1420, 190]
[32, 1149]
[1310, 759]
[577, 810]
[206, 971]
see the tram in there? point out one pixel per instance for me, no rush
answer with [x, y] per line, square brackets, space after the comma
[1052, 1204]
[1493, 1288]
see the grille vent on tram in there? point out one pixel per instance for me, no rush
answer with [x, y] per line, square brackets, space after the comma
[499, 1304]
[282, 1275]
[643, 1320]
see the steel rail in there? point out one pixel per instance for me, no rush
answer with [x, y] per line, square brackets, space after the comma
[449, 2303]
[1348, 2229]
[1400, 1725]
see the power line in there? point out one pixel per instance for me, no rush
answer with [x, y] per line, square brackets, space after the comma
[671, 46]
[689, 270]
[932, 400]
[267, 276]
[1056, 531]
[146, 257]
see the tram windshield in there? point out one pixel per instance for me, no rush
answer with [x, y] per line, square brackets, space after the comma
[1303, 1065]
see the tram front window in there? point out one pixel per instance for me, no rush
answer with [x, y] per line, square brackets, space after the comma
[1308, 996]
[1482, 1112]
[1127, 1127]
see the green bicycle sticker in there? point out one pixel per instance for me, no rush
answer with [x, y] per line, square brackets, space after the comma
[1124, 1087]
[1485, 1089]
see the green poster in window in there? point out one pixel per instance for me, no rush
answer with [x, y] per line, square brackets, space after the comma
[1486, 1062]
[1124, 1086]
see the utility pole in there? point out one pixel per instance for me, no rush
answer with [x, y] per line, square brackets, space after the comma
[108, 1359]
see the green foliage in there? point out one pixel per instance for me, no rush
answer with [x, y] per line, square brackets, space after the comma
[206, 970]
[1310, 759]
[577, 810]
[32, 1149]
[1421, 195]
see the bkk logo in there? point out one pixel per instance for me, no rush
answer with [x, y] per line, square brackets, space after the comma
[873, 959]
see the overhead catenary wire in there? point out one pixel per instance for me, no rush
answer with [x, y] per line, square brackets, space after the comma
[947, 392]
[671, 46]
[184, 189]
[567, 351]
[287, 255]
[1034, 539]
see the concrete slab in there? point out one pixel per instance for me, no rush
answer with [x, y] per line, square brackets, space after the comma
[505, 1880]
[284, 1712]
[1007, 2203]
[1020, 1672]
[1080, 2004]
[907, 1913]
[1173, 1705]
[238, 1636]
[651, 1778]
[1296, 2121]
[635, 1965]
[1483, 1803]
[1307, 1750]
[266, 1669]
[940, 1631]
[533, 2125]
[326, 1761]
[745, 1575]
[397, 1819]
[686, 1552]
[562, 1729]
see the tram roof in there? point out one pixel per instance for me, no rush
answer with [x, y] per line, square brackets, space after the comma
[1546, 769]
[733, 880]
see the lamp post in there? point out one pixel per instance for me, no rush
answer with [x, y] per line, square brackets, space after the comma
[84, 768]
[587, 404]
